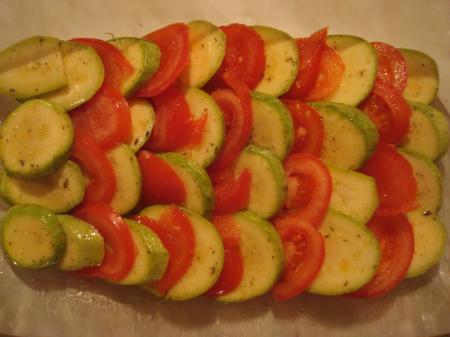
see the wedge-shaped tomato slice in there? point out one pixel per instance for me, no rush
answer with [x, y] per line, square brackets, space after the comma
[106, 118]
[309, 50]
[173, 42]
[304, 252]
[244, 57]
[176, 233]
[309, 188]
[392, 68]
[394, 176]
[97, 167]
[389, 111]
[119, 246]
[233, 267]
[117, 67]
[309, 132]
[397, 248]
[160, 183]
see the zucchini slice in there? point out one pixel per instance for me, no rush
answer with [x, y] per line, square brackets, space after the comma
[85, 245]
[428, 131]
[142, 121]
[423, 76]
[350, 136]
[208, 257]
[352, 255]
[268, 185]
[35, 139]
[213, 135]
[272, 126]
[207, 50]
[32, 237]
[151, 259]
[85, 74]
[430, 239]
[143, 55]
[262, 254]
[281, 61]
[128, 179]
[59, 192]
[360, 60]
[32, 67]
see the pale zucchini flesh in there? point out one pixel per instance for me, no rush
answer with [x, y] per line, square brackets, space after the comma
[142, 122]
[59, 192]
[32, 67]
[35, 139]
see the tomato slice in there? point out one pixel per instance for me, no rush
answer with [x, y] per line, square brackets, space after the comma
[160, 183]
[197, 130]
[304, 252]
[396, 184]
[173, 42]
[106, 118]
[233, 266]
[392, 67]
[120, 251]
[389, 111]
[237, 107]
[176, 233]
[96, 165]
[245, 57]
[397, 248]
[309, 188]
[309, 132]
[331, 70]
[309, 50]
[173, 126]
[117, 67]
[231, 194]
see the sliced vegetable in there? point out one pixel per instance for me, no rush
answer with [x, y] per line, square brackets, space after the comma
[142, 121]
[231, 194]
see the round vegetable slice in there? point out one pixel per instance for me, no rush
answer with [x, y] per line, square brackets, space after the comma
[304, 252]
[394, 176]
[392, 66]
[173, 42]
[120, 251]
[397, 247]
[106, 118]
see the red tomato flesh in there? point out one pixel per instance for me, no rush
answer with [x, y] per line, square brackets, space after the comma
[175, 231]
[309, 132]
[396, 184]
[173, 42]
[160, 183]
[96, 165]
[309, 50]
[304, 252]
[120, 251]
[233, 267]
[397, 248]
[392, 67]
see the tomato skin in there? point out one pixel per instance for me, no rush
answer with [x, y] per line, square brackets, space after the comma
[318, 183]
[309, 50]
[231, 194]
[197, 130]
[175, 231]
[331, 70]
[106, 118]
[155, 189]
[392, 67]
[120, 254]
[389, 111]
[397, 249]
[245, 57]
[174, 125]
[304, 251]
[173, 42]
[233, 267]
[309, 131]
[396, 183]
[96, 165]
